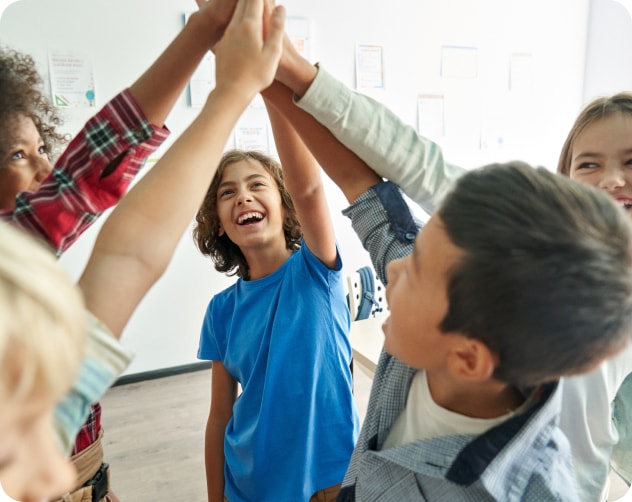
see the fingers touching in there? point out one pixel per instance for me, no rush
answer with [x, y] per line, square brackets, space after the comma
[247, 54]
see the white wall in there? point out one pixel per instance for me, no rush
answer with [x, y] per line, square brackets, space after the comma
[608, 68]
[164, 330]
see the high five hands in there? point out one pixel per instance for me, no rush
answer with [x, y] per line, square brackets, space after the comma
[249, 51]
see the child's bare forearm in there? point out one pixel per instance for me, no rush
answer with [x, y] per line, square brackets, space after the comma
[158, 89]
[303, 180]
[140, 236]
[344, 167]
[214, 461]
[294, 70]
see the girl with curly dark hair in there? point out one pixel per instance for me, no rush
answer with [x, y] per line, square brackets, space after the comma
[28, 127]
[58, 202]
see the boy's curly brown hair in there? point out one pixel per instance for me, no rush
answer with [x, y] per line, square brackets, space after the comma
[21, 93]
[225, 254]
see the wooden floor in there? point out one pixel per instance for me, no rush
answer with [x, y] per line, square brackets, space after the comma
[154, 436]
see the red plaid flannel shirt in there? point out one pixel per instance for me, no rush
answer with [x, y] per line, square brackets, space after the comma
[75, 194]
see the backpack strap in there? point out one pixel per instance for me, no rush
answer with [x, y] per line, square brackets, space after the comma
[367, 293]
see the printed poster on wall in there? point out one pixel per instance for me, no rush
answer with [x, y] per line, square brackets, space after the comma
[369, 66]
[71, 79]
[252, 131]
[297, 29]
[252, 136]
[202, 81]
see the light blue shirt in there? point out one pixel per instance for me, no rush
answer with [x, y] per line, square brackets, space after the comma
[104, 360]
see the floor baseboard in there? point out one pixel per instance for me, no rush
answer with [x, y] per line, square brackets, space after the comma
[162, 373]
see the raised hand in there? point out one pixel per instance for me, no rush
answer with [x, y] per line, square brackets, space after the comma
[294, 71]
[247, 56]
[217, 13]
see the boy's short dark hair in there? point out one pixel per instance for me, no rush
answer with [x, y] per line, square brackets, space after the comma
[225, 254]
[547, 278]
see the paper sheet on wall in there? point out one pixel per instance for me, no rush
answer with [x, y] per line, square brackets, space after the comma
[492, 134]
[251, 131]
[297, 29]
[430, 116]
[202, 81]
[71, 79]
[521, 73]
[369, 66]
[459, 62]
[252, 136]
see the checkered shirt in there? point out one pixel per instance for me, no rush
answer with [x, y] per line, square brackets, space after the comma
[526, 458]
[75, 194]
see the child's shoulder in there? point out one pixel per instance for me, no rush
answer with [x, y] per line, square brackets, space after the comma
[312, 261]
[224, 295]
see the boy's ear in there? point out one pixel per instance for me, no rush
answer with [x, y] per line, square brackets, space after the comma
[220, 230]
[472, 360]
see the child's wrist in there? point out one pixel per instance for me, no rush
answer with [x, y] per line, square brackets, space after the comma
[205, 28]
[298, 77]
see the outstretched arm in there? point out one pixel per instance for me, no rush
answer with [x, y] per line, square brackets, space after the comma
[303, 180]
[344, 167]
[392, 148]
[157, 90]
[96, 168]
[137, 241]
[379, 214]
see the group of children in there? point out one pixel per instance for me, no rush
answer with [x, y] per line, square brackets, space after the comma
[506, 347]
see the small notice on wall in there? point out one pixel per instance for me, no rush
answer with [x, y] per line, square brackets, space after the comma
[459, 62]
[71, 79]
[430, 116]
[202, 81]
[369, 67]
[252, 129]
[521, 73]
[297, 28]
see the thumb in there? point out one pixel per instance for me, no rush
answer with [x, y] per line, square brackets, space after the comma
[274, 39]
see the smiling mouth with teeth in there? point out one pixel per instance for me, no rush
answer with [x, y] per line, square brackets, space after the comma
[251, 217]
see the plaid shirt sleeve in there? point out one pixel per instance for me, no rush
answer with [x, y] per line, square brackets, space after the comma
[89, 430]
[77, 192]
[385, 225]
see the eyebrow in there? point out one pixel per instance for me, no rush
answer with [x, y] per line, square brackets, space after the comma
[591, 155]
[17, 141]
[248, 178]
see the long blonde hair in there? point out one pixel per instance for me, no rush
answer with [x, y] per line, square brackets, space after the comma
[42, 322]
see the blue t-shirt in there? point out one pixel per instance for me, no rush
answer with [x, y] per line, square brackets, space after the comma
[284, 338]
